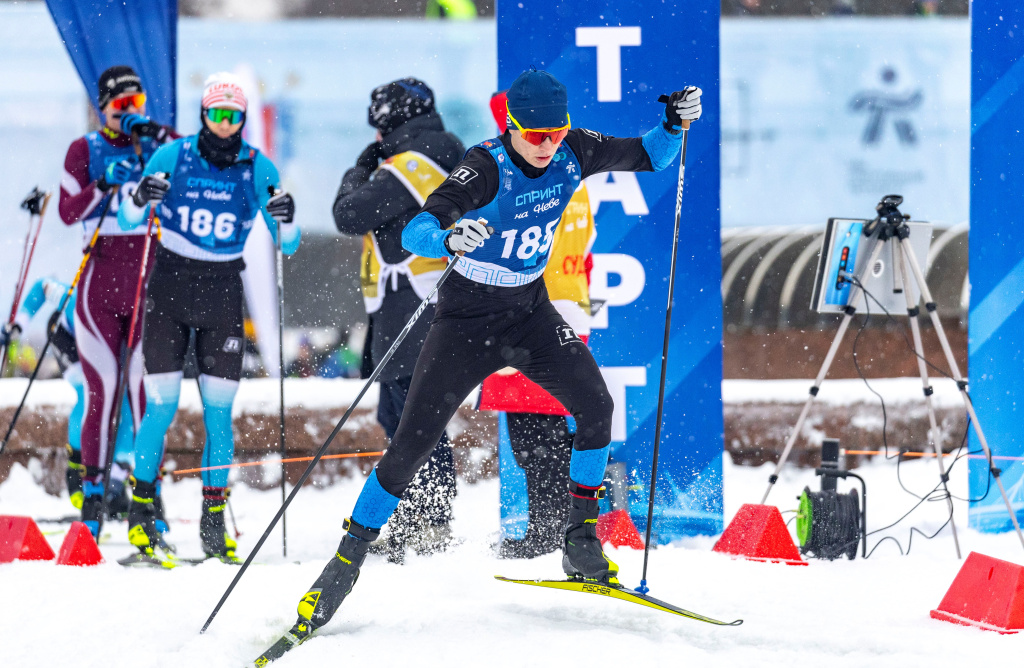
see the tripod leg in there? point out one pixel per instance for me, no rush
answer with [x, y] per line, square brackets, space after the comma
[934, 440]
[851, 309]
[961, 382]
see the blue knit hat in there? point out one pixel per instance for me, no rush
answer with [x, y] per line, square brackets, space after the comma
[538, 100]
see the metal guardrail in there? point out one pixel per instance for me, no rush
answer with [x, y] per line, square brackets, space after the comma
[768, 276]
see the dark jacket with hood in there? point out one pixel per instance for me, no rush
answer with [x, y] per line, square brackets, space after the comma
[376, 201]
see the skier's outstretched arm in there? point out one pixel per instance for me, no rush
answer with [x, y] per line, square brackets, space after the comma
[474, 182]
[654, 151]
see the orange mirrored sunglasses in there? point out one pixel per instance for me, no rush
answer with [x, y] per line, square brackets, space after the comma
[536, 136]
[134, 100]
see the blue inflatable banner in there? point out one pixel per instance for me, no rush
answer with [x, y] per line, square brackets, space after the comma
[996, 348]
[616, 58]
[144, 35]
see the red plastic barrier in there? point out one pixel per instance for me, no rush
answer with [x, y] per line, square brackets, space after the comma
[20, 538]
[758, 533]
[618, 529]
[79, 547]
[987, 593]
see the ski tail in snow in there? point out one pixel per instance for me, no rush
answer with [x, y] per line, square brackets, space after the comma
[621, 593]
[298, 634]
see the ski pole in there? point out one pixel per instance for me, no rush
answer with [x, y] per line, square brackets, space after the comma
[32, 205]
[234, 524]
[280, 361]
[643, 588]
[122, 384]
[323, 448]
[60, 309]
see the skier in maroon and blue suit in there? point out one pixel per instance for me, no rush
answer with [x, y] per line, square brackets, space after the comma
[99, 166]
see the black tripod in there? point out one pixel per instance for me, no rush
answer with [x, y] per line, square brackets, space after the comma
[891, 227]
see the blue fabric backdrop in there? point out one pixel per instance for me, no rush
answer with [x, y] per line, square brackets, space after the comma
[101, 33]
[996, 344]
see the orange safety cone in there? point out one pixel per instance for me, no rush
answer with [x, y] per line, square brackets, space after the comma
[987, 593]
[759, 534]
[617, 529]
[79, 547]
[20, 538]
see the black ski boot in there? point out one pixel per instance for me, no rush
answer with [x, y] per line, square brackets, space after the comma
[142, 531]
[582, 556]
[73, 477]
[158, 505]
[324, 598]
[92, 507]
[336, 581]
[118, 501]
[217, 544]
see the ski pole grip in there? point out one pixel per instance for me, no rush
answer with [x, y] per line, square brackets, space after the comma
[664, 99]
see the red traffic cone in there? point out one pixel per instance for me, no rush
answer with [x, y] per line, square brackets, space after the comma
[20, 538]
[618, 529]
[759, 534]
[79, 547]
[987, 593]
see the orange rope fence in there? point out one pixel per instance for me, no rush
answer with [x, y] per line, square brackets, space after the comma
[290, 460]
[929, 454]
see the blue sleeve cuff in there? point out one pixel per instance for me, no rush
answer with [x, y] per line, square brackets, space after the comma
[424, 236]
[130, 216]
[661, 146]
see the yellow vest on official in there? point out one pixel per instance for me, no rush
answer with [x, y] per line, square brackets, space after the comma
[566, 273]
[420, 175]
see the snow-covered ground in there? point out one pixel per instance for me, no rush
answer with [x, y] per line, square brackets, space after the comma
[446, 610]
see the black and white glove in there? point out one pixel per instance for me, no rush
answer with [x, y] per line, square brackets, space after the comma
[682, 105]
[467, 235]
[282, 207]
[152, 188]
[8, 333]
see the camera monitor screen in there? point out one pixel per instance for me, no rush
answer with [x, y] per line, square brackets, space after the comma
[846, 250]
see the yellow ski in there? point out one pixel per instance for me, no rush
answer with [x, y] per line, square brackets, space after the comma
[618, 592]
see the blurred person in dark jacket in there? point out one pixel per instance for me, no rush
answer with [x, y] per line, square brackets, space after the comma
[387, 186]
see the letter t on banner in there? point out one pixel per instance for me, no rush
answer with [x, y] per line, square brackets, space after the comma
[615, 59]
[609, 42]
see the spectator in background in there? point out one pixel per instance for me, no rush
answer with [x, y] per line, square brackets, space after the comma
[304, 365]
[844, 8]
[926, 7]
[379, 195]
[741, 7]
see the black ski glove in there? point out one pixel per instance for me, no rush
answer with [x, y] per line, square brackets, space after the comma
[34, 202]
[152, 188]
[8, 333]
[371, 156]
[282, 207]
[140, 125]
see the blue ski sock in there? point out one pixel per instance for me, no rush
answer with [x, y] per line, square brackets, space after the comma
[76, 378]
[586, 467]
[218, 396]
[163, 390]
[375, 505]
[124, 443]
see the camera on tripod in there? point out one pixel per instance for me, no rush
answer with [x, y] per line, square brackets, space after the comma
[848, 257]
[890, 221]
